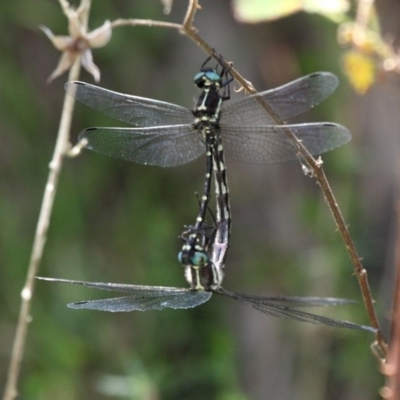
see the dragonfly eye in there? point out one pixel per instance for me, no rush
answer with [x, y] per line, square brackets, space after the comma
[198, 77]
[180, 257]
[213, 76]
[199, 80]
[199, 258]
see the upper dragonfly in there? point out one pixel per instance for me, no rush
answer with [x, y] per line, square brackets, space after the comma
[168, 135]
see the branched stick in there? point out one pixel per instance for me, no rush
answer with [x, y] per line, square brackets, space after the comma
[55, 166]
[319, 175]
[316, 166]
[39, 242]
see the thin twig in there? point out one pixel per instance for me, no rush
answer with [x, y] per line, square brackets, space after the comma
[144, 22]
[62, 145]
[193, 6]
[322, 181]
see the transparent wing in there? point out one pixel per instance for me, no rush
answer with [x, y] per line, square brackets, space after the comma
[282, 308]
[145, 301]
[137, 111]
[165, 146]
[296, 301]
[269, 143]
[286, 101]
[141, 298]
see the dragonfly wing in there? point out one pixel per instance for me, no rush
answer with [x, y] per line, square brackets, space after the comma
[296, 301]
[286, 101]
[137, 111]
[302, 316]
[141, 298]
[270, 306]
[164, 146]
[115, 287]
[267, 144]
[144, 301]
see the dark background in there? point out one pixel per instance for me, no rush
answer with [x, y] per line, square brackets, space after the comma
[115, 221]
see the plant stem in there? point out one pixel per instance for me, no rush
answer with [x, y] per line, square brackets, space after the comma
[62, 145]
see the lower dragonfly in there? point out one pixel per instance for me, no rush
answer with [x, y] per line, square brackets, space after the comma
[205, 278]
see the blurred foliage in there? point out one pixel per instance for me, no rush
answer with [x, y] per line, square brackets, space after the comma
[119, 222]
[369, 58]
[360, 70]
[267, 10]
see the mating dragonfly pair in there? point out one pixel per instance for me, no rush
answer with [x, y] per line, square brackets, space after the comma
[167, 135]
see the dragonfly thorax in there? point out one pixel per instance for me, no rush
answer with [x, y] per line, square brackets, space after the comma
[209, 102]
[208, 108]
[201, 273]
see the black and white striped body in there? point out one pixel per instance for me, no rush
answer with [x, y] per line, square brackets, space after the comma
[209, 275]
[222, 235]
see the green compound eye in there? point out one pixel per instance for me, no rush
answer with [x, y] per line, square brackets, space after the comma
[198, 76]
[200, 258]
[213, 76]
[180, 257]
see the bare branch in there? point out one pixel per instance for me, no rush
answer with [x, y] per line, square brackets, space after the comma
[61, 147]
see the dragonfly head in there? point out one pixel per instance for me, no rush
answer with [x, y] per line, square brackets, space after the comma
[196, 260]
[207, 77]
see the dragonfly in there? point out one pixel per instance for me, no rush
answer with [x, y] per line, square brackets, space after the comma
[167, 135]
[203, 272]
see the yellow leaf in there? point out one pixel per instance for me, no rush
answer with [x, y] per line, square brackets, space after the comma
[360, 69]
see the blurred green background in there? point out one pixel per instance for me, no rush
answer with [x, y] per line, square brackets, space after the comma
[115, 221]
